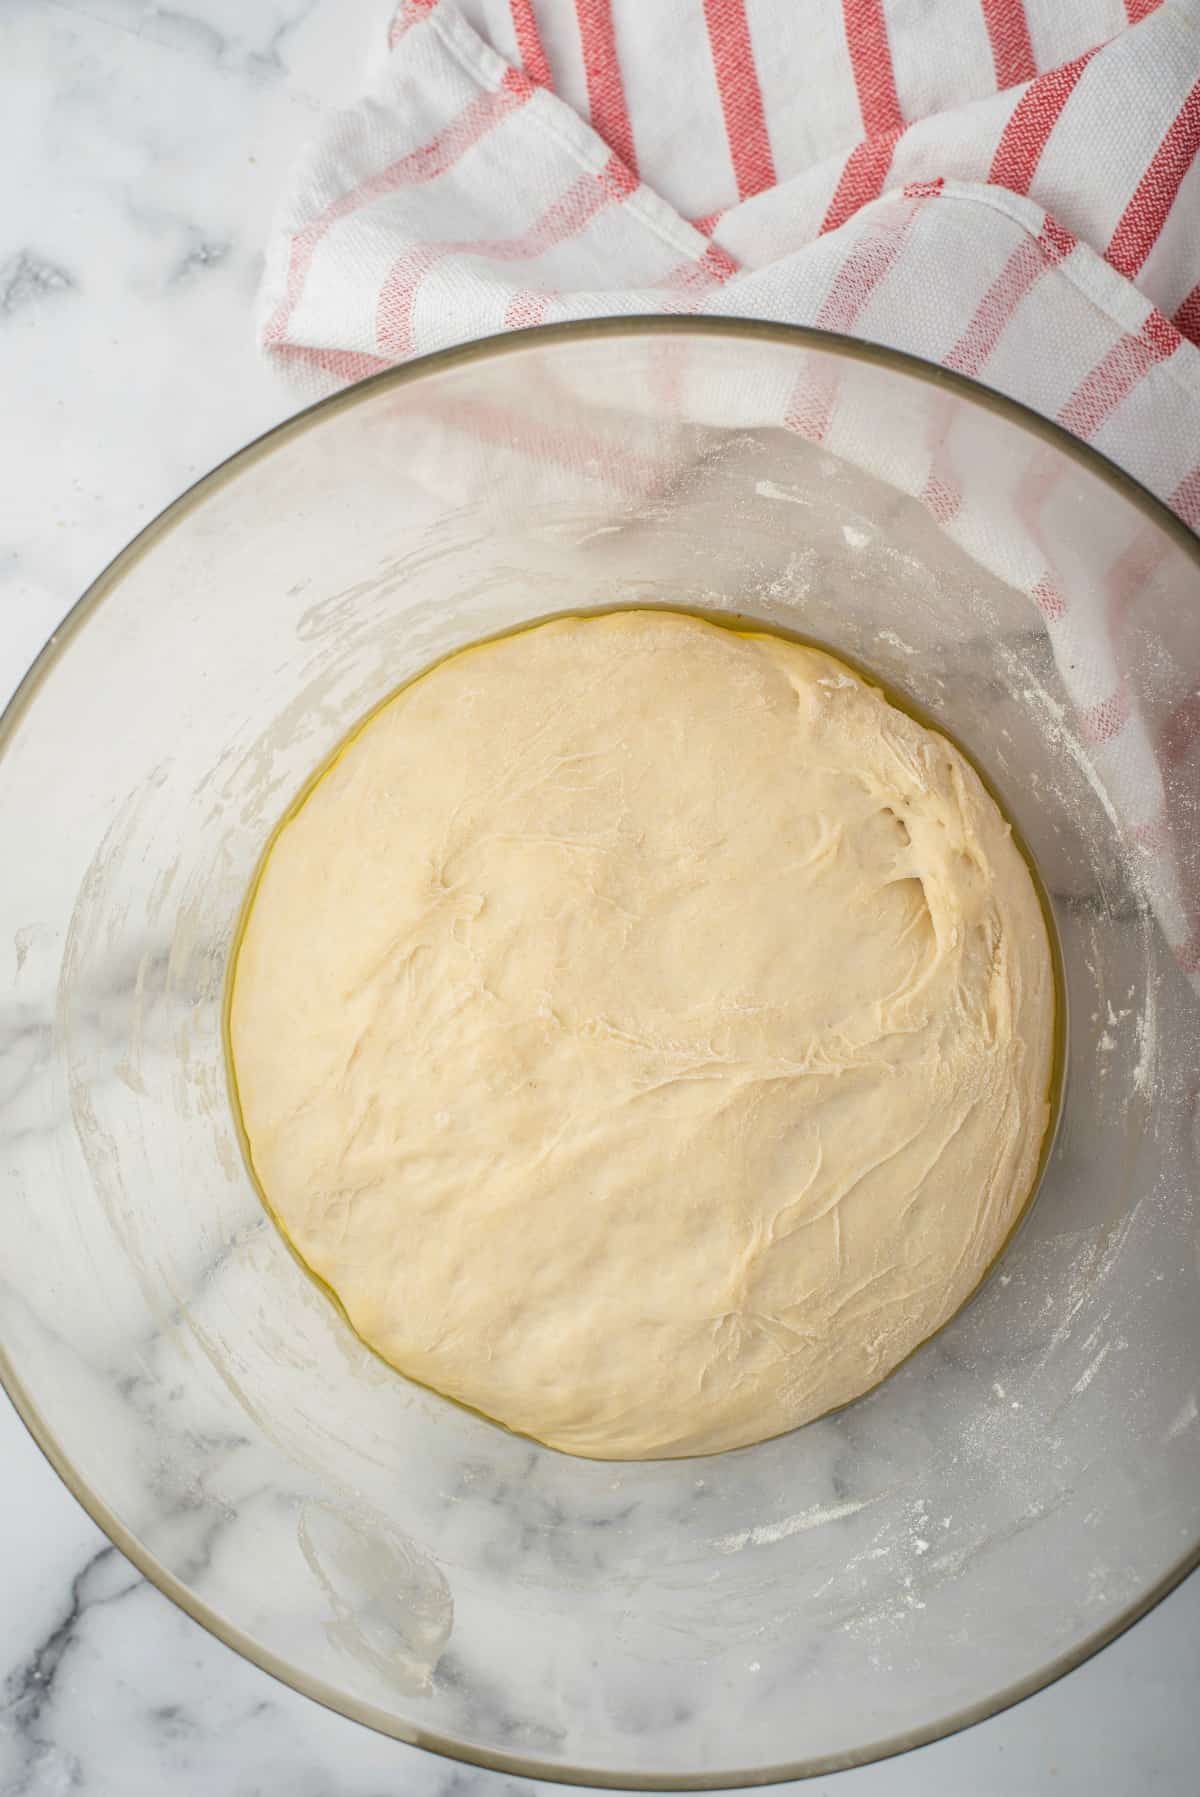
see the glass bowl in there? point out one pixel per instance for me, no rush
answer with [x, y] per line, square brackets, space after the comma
[1013, 1496]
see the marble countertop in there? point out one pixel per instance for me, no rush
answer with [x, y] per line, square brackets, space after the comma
[145, 146]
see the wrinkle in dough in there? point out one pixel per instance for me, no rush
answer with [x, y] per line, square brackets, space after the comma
[646, 1030]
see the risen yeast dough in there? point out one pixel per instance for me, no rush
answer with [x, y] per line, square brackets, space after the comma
[646, 1031]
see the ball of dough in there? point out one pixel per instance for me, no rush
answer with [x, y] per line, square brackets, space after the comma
[646, 1030]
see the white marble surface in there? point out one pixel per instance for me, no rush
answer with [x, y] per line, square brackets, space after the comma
[143, 147]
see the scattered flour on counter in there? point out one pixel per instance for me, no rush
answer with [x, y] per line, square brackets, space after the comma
[1187, 1416]
[1089, 1372]
[767, 489]
[1143, 1073]
[814, 1518]
[896, 642]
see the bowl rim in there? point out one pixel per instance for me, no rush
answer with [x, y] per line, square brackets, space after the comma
[733, 330]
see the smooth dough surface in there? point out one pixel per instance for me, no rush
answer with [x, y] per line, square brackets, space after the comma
[646, 1030]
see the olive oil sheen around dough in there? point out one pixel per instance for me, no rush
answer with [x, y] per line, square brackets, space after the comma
[647, 1030]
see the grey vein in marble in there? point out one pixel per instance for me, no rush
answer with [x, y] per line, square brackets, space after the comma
[26, 279]
[29, 1689]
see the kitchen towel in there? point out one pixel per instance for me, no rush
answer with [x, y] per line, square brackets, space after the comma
[1007, 187]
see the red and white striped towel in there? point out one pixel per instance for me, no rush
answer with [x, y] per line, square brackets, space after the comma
[1009, 187]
